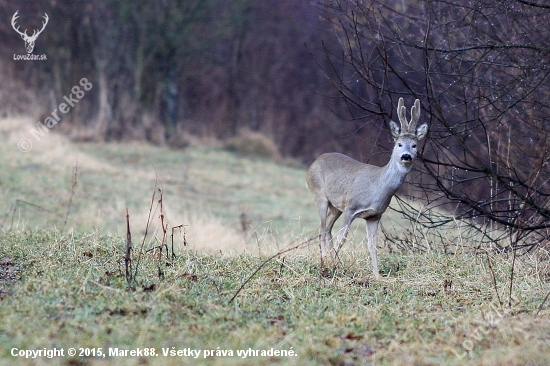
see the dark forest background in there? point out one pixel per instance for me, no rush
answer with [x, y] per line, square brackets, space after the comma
[314, 76]
[207, 67]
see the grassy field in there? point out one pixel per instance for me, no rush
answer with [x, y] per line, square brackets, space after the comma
[206, 188]
[63, 285]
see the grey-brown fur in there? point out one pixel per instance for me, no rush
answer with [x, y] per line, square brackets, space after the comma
[341, 184]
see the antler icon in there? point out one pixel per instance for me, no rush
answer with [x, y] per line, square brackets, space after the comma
[29, 40]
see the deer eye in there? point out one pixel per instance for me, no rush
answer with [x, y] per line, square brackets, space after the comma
[400, 145]
[414, 146]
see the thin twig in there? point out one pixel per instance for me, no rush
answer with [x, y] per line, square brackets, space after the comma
[16, 205]
[542, 303]
[73, 186]
[267, 261]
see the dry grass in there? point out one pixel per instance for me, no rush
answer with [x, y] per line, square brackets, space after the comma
[253, 144]
[206, 188]
[72, 293]
[429, 308]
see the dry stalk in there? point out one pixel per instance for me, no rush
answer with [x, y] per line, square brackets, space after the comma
[172, 238]
[493, 276]
[73, 186]
[163, 242]
[146, 230]
[127, 257]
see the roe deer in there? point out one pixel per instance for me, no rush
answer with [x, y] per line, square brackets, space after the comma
[341, 184]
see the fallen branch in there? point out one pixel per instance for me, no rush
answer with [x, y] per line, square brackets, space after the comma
[267, 261]
[18, 203]
[542, 304]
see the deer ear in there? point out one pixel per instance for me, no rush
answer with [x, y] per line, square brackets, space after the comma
[395, 130]
[421, 131]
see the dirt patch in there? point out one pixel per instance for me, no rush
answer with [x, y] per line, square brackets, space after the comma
[9, 273]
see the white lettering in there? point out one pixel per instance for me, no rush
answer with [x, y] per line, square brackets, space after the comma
[37, 134]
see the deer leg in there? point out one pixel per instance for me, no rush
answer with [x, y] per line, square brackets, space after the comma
[372, 240]
[333, 215]
[343, 233]
[322, 208]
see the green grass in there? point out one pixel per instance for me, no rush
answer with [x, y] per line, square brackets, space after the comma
[71, 291]
[206, 188]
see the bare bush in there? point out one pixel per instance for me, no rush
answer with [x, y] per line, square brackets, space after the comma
[480, 68]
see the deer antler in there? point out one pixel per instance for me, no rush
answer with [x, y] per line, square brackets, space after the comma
[36, 33]
[402, 114]
[415, 115]
[13, 19]
[24, 34]
[407, 126]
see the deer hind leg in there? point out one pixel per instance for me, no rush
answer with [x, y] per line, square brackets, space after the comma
[343, 232]
[333, 215]
[322, 208]
[372, 240]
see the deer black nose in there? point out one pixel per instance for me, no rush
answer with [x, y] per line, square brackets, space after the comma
[406, 157]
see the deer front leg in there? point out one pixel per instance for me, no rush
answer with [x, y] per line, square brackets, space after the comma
[372, 240]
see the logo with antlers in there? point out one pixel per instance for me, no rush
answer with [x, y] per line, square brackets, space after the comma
[29, 40]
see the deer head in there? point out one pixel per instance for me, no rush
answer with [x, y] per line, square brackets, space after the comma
[407, 135]
[29, 40]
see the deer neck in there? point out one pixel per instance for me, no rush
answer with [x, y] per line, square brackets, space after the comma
[394, 173]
